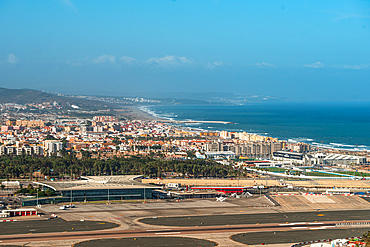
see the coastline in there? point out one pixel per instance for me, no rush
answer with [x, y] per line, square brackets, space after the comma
[134, 113]
[146, 115]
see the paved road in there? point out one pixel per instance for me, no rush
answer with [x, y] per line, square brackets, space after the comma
[166, 232]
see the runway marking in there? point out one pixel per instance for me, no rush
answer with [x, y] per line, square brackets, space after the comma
[157, 230]
[292, 224]
[167, 232]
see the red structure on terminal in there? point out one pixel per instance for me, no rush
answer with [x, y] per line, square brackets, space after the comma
[225, 190]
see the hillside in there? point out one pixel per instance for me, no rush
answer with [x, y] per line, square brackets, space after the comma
[24, 96]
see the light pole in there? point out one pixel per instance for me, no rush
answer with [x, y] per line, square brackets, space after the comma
[108, 189]
[71, 187]
[37, 196]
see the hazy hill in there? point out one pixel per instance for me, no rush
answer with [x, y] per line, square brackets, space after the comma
[24, 96]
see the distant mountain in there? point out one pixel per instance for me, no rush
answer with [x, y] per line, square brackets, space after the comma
[24, 96]
[211, 98]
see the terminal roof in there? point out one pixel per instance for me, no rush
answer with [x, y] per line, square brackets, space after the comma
[99, 182]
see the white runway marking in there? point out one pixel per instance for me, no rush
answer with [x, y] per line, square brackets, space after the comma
[168, 233]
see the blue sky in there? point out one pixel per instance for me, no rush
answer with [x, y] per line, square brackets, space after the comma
[302, 50]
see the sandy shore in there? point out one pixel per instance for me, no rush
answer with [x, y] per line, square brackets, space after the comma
[134, 113]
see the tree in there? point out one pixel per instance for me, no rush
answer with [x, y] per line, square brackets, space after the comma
[366, 238]
[30, 187]
[49, 192]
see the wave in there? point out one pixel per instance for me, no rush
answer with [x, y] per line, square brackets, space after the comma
[342, 145]
[247, 124]
[167, 116]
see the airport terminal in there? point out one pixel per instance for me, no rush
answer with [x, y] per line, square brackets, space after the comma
[95, 188]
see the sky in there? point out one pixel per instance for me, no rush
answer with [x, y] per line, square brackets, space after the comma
[301, 50]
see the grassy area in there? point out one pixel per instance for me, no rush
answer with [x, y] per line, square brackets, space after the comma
[273, 169]
[319, 174]
[360, 174]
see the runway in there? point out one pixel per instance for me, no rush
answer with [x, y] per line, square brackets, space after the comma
[170, 231]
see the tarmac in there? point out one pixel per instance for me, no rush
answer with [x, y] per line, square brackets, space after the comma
[285, 237]
[147, 242]
[202, 212]
[52, 225]
[258, 218]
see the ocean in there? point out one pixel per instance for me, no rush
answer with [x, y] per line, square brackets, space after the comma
[329, 125]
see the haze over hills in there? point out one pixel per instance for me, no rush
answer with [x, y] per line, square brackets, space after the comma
[186, 99]
[24, 96]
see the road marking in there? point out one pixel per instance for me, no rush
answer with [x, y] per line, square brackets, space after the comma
[316, 223]
[167, 232]
[301, 227]
[328, 226]
[158, 230]
[315, 228]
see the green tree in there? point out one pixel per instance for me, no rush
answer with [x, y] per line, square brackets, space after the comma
[30, 187]
[366, 238]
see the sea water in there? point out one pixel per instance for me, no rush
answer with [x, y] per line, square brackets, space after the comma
[330, 125]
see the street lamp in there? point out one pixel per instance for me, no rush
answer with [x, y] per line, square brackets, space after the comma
[108, 188]
[71, 194]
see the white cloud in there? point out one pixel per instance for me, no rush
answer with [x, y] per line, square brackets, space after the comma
[105, 59]
[128, 60]
[317, 65]
[218, 63]
[12, 59]
[215, 64]
[360, 66]
[169, 61]
[263, 64]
